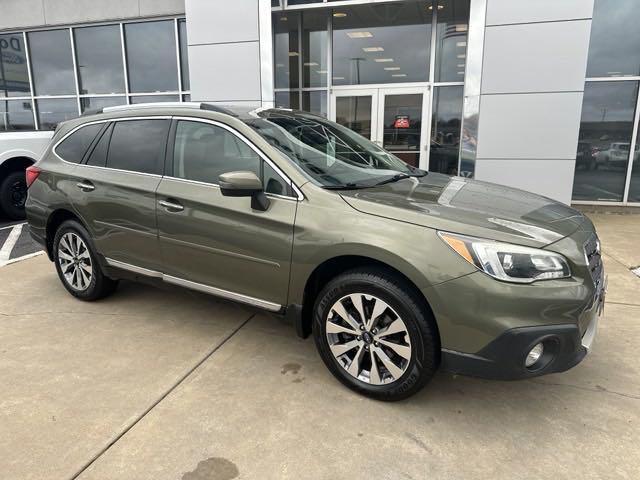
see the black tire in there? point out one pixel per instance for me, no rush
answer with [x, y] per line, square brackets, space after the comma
[403, 299]
[13, 193]
[99, 285]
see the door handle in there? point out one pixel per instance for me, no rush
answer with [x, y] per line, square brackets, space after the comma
[86, 186]
[171, 206]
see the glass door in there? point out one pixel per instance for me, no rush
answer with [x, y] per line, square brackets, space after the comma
[402, 123]
[396, 118]
[357, 109]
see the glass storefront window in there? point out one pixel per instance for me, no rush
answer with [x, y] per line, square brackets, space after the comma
[96, 103]
[315, 102]
[314, 48]
[52, 111]
[184, 57]
[451, 40]
[613, 48]
[384, 43]
[286, 49]
[51, 62]
[16, 115]
[151, 56]
[14, 76]
[99, 59]
[154, 98]
[287, 100]
[445, 129]
[604, 140]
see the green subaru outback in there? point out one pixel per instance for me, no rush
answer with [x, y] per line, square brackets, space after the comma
[395, 271]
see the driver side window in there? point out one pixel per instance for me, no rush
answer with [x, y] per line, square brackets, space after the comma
[202, 152]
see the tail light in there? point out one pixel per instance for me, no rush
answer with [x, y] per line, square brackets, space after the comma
[32, 173]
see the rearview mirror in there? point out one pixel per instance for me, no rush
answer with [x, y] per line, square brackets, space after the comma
[244, 184]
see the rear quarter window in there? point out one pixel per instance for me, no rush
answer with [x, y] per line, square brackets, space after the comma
[73, 148]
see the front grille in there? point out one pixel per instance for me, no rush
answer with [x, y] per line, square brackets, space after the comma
[594, 259]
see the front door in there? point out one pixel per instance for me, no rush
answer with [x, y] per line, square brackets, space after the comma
[396, 118]
[215, 243]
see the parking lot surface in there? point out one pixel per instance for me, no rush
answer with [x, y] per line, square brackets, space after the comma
[171, 384]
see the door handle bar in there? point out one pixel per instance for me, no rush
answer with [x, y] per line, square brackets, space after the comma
[85, 186]
[171, 206]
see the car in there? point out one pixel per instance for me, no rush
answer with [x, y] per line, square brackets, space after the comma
[395, 271]
[615, 155]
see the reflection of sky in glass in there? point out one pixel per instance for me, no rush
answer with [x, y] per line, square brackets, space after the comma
[615, 37]
[609, 101]
[99, 62]
[51, 62]
[151, 56]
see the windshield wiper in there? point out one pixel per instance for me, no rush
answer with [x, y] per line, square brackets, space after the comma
[346, 186]
[401, 176]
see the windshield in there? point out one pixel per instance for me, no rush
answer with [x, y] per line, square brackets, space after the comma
[332, 154]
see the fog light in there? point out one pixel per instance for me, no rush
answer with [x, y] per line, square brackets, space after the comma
[534, 355]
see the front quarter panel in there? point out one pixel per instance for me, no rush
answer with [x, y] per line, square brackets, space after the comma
[327, 227]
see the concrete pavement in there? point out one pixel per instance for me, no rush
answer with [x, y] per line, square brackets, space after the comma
[172, 384]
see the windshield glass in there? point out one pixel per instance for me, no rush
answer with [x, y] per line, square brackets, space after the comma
[330, 153]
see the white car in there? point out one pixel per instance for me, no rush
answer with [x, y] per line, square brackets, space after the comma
[18, 150]
[616, 155]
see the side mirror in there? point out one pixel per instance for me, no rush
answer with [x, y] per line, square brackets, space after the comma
[244, 184]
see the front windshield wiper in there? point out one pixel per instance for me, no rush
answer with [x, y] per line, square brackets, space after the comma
[400, 176]
[346, 186]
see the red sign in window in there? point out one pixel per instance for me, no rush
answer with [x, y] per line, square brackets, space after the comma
[402, 121]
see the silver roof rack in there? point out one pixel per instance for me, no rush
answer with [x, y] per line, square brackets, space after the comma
[121, 108]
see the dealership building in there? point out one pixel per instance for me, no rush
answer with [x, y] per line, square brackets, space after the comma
[540, 95]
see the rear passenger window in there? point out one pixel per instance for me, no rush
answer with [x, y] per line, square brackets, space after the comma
[202, 152]
[138, 145]
[73, 148]
[98, 157]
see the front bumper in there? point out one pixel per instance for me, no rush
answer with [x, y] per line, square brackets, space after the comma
[565, 345]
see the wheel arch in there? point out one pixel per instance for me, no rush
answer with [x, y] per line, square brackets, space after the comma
[334, 266]
[15, 164]
[57, 218]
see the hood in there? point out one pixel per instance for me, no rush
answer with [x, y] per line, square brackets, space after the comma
[470, 207]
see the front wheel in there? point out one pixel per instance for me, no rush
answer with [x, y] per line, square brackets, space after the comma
[77, 263]
[375, 335]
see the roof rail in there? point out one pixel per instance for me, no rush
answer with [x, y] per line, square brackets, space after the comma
[193, 105]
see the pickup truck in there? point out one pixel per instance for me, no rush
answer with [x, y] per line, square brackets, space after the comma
[18, 150]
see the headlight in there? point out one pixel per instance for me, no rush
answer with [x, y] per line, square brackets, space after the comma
[504, 261]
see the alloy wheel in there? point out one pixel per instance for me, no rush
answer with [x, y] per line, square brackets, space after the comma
[368, 339]
[75, 261]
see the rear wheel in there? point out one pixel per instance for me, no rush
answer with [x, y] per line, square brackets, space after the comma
[374, 335]
[77, 265]
[13, 194]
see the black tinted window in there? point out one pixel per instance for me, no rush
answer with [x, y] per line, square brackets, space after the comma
[73, 148]
[98, 157]
[203, 152]
[138, 145]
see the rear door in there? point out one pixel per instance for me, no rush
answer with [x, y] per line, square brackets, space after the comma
[116, 188]
[220, 244]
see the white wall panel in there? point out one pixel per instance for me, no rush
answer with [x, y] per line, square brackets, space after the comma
[531, 126]
[218, 21]
[501, 12]
[551, 178]
[537, 57]
[225, 72]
